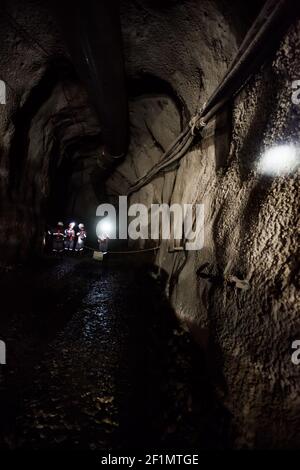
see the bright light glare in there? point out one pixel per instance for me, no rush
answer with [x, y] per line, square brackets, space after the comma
[104, 227]
[279, 160]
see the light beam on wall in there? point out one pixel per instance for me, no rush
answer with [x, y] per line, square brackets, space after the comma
[279, 160]
[105, 227]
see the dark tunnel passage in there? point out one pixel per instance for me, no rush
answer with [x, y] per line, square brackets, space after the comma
[108, 372]
[115, 333]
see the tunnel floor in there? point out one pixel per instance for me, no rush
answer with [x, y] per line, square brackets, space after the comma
[96, 360]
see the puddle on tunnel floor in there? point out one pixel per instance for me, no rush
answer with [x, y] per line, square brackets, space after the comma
[102, 365]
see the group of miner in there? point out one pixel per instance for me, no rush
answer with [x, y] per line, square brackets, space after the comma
[68, 239]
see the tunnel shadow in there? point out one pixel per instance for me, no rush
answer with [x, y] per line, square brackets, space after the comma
[171, 402]
[164, 397]
[58, 69]
[35, 307]
[251, 144]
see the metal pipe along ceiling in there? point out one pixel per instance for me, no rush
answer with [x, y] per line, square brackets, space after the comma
[93, 34]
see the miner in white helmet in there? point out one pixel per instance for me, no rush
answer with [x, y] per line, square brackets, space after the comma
[81, 236]
[70, 237]
[103, 242]
[58, 238]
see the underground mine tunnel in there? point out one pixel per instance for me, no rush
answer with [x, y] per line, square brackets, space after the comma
[149, 247]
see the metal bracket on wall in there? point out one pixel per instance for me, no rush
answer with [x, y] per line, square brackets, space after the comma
[175, 249]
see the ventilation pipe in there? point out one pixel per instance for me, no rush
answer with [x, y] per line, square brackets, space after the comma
[93, 35]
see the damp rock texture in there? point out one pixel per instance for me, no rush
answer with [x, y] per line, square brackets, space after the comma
[51, 165]
[250, 232]
[51, 144]
[99, 367]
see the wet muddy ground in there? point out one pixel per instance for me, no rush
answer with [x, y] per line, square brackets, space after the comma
[96, 360]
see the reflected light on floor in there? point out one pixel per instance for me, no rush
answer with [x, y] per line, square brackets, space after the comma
[279, 160]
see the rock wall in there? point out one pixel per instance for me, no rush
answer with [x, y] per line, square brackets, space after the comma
[48, 129]
[251, 232]
[50, 156]
[50, 135]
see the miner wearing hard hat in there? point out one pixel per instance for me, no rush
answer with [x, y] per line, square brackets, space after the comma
[58, 238]
[81, 236]
[70, 237]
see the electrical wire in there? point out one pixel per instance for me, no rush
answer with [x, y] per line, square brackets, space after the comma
[129, 252]
[272, 20]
